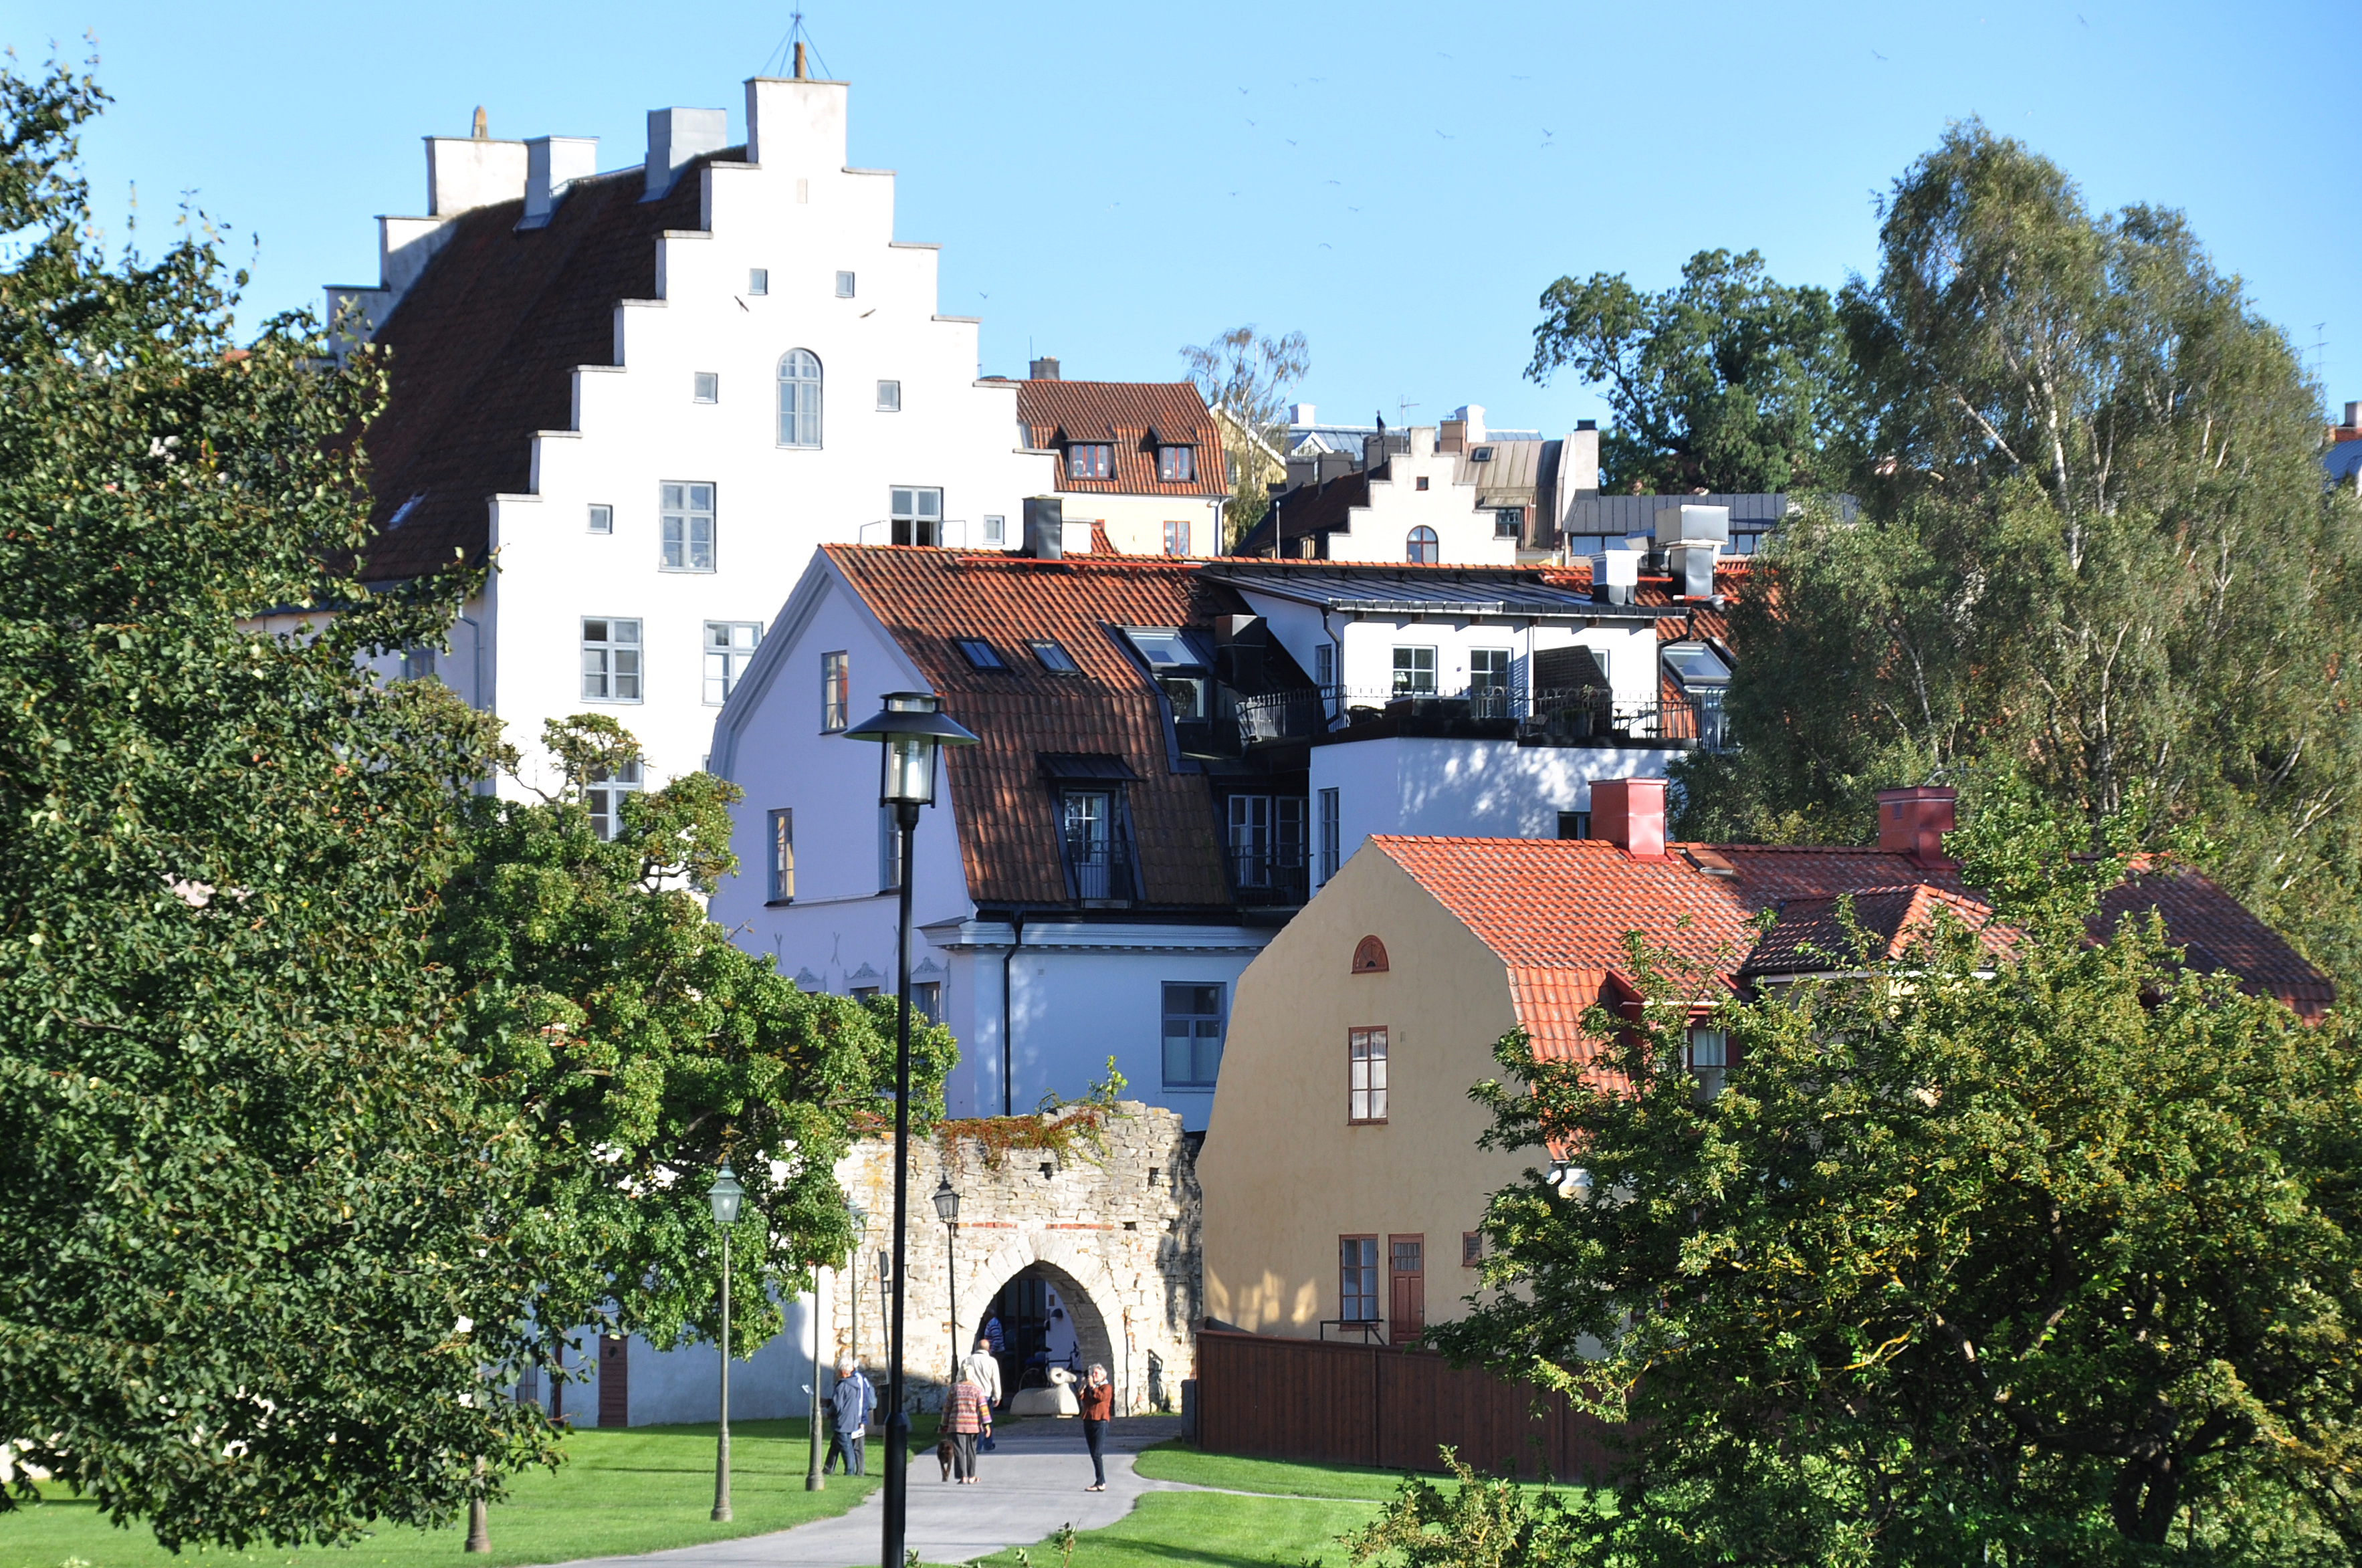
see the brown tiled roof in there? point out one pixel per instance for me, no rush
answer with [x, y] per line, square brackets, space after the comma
[1007, 818]
[483, 348]
[1135, 417]
[2218, 932]
[1810, 936]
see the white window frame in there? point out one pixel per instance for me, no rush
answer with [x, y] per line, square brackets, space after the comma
[681, 545]
[781, 825]
[704, 386]
[1706, 1057]
[1365, 1075]
[1414, 671]
[915, 511]
[600, 518]
[602, 796]
[622, 661]
[758, 280]
[835, 690]
[889, 397]
[735, 651]
[803, 380]
[996, 528]
[845, 284]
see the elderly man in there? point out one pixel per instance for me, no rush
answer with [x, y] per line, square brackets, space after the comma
[851, 1403]
[984, 1368]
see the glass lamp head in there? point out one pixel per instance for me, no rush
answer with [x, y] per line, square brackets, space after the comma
[727, 1195]
[947, 1202]
[911, 730]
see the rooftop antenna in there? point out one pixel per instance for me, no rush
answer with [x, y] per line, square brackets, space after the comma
[790, 49]
[1403, 406]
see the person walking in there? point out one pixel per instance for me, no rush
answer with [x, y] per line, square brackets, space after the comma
[1096, 1397]
[851, 1403]
[985, 1371]
[965, 1418]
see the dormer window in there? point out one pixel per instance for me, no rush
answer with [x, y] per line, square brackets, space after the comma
[1090, 460]
[1094, 828]
[1177, 465]
[1178, 668]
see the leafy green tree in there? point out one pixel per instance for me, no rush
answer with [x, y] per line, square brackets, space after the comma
[1248, 375]
[255, 1277]
[641, 1049]
[2020, 1249]
[1730, 382]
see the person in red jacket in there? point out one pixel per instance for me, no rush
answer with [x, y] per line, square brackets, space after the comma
[1096, 1397]
[965, 1417]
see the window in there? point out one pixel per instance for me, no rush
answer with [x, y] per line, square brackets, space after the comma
[1095, 861]
[889, 851]
[783, 857]
[687, 525]
[1414, 671]
[1480, 454]
[1328, 834]
[844, 285]
[1370, 956]
[1508, 522]
[1574, 824]
[799, 387]
[1179, 668]
[603, 519]
[418, 664]
[705, 387]
[836, 691]
[604, 794]
[1422, 483]
[1193, 1035]
[1366, 1080]
[1054, 660]
[1406, 1289]
[1357, 1278]
[1176, 538]
[1709, 1060]
[1324, 665]
[1471, 1249]
[996, 529]
[889, 397]
[917, 515]
[610, 660]
[927, 999]
[864, 993]
[1421, 549]
[729, 648]
[979, 654]
[1090, 460]
[1177, 464]
[759, 280]
[1267, 840]
[1488, 670]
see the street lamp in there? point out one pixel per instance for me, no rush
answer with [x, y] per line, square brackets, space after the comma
[911, 730]
[725, 1197]
[947, 1210]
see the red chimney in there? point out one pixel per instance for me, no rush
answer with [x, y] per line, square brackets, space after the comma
[1631, 814]
[1913, 822]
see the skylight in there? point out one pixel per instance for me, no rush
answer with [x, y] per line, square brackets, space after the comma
[1054, 660]
[1696, 664]
[979, 654]
[1480, 454]
[1164, 649]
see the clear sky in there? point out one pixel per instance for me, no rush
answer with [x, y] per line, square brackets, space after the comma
[1398, 181]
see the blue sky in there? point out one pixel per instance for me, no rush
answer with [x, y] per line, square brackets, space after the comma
[1397, 182]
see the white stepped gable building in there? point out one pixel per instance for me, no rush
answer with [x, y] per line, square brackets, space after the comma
[648, 394]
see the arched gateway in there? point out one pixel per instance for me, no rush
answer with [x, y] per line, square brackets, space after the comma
[1108, 1237]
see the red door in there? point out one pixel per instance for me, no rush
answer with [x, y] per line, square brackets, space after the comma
[1407, 1278]
[614, 1381]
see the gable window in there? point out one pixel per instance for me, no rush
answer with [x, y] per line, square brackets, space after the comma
[844, 285]
[1177, 464]
[687, 523]
[1508, 522]
[1328, 834]
[1090, 460]
[705, 387]
[1176, 538]
[889, 397]
[917, 515]
[1471, 1249]
[602, 520]
[1365, 1082]
[759, 280]
[1421, 549]
[1422, 483]
[783, 857]
[1370, 956]
[1094, 848]
[610, 660]
[1357, 1278]
[799, 389]
[836, 691]
[1709, 1060]
[1054, 658]
[1193, 1035]
[1414, 671]
[602, 794]
[979, 654]
[729, 648]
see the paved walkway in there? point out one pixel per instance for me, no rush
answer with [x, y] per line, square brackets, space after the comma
[1030, 1486]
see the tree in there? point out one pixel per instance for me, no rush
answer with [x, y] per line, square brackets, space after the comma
[1731, 382]
[2020, 1249]
[641, 1049]
[1249, 377]
[254, 1278]
[2094, 542]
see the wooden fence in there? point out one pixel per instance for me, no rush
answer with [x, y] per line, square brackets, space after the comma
[1347, 1404]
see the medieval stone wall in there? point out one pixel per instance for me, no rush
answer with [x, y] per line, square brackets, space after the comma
[1119, 1232]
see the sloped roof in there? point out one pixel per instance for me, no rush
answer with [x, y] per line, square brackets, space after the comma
[1512, 476]
[1135, 417]
[1109, 708]
[483, 352]
[1810, 935]
[2218, 932]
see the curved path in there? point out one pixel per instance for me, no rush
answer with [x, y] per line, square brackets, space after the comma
[1030, 1486]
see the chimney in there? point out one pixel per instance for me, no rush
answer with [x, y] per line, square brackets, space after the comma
[552, 163]
[1452, 435]
[1913, 822]
[1045, 368]
[2354, 417]
[1614, 576]
[471, 172]
[1300, 413]
[1631, 814]
[1045, 534]
[676, 138]
[1472, 419]
[799, 60]
[1691, 537]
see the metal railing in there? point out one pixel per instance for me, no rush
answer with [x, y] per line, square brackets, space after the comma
[1578, 716]
[1274, 874]
[1099, 871]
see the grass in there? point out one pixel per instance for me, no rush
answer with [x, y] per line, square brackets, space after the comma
[1182, 1462]
[636, 1489]
[1206, 1529]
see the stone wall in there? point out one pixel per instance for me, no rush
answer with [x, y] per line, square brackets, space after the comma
[1119, 1232]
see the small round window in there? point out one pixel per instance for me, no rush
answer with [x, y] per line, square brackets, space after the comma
[1370, 957]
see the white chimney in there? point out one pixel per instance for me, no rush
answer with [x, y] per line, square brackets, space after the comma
[676, 136]
[464, 172]
[1301, 413]
[1471, 414]
[552, 163]
[2354, 417]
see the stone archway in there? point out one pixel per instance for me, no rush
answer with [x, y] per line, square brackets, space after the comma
[1070, 1270]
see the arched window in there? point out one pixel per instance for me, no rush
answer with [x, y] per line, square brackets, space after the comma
[1422, 547]
[1370, 957]
[799, 398]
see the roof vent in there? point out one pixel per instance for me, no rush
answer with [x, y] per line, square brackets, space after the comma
[1045, 532]
[1045, 368]
[1614, 576]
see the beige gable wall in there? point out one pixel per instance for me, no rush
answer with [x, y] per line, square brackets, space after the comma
[1283, 1173]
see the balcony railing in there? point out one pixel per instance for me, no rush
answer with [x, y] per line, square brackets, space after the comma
[1270, 875]
[1099, 871]
[1583, 716]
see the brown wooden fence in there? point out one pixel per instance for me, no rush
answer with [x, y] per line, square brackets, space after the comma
[1347, 1404]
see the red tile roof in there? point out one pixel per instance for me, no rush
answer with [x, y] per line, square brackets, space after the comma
[483, 348]
[1135, 418]
[1810, 935]
[1007, 818]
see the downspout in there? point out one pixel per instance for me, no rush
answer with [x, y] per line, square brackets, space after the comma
[1008, 1011]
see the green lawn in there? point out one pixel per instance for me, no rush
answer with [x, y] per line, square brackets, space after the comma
[1203, 1529]
[640, 1489]
[1234, 1472]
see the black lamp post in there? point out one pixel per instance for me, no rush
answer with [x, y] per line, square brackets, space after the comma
[725, 1195]
[913, 730]
[947, 1210]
